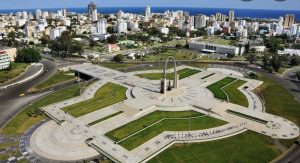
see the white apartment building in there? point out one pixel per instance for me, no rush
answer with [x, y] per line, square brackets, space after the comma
[101, 26]
[200, 21]
[289, 52]
[164, 30]
[54, 33]
[4, 60]
[214, 48]
[38, 14]
[94, 15]
[148, 12]
[121, 26]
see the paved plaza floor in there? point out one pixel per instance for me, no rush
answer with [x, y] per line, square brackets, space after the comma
[66, 138]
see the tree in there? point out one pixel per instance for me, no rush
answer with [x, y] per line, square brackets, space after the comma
[295, 60]
[65, 46]
[28, 55]
[45, 40]
[247, 47]
[179, 46]
[276, 62]
[251, 57]
[266, 60]
[118, 58]
[112, 39]
[110, 29]
[92, 43]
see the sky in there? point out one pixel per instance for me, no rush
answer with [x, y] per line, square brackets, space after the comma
[254, 4]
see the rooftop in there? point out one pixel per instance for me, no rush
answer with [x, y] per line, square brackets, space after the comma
[215, 40]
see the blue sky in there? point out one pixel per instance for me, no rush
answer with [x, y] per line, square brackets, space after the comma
[255, 4]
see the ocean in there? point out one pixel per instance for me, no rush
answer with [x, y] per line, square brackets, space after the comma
[241, 13]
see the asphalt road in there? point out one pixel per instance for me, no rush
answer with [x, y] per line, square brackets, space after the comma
[10, 101]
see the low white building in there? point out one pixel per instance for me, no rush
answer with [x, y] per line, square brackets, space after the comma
[258, 48]
[289, 52]
[215, 48]
[98, 37]
[164, 30]
[4, 60]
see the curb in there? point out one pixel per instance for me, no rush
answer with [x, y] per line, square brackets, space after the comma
[24, 80]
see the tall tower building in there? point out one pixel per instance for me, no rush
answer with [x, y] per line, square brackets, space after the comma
[288, 20]
[121, 26]
[200, 21]
[94, 15]
[91, 7]
[280, 21]
[231, 15]
[218, 16]
[38, 14]
[101, 26]
[64, 12]
[148, 12]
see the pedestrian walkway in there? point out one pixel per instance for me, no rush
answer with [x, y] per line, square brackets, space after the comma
[70, 138]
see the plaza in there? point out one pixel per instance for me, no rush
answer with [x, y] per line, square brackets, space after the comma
[70, 138]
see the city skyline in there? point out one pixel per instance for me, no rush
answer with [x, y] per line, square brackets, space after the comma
[234, 4]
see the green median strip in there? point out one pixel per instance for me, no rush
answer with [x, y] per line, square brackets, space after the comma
[208, 76]
[105, 118]
[247, 116]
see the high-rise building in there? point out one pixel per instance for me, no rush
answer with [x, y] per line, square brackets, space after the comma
[64, 12]
[280, 21]
[94, 15]
[231, 15]
[288, 20]
[91, 7]
[45, 14]
[24, 15]
[38, 14]
[200, 21]
[148, 12]
[218, 16]
[28, 30]
[101, 26]
[121, 26]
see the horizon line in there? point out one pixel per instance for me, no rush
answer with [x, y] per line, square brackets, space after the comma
[153, 7]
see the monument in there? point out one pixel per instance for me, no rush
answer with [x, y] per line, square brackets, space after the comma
[164, 86]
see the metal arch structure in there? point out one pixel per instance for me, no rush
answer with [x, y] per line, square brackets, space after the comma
[164, 79]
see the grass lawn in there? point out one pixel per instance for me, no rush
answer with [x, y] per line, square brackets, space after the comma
[108, 94]
[57, 78]
[215, 88]
[165, 125]
[235, 96]
[105, 118]
[178, 54]
[16, 70]
[216, 40]
[31, 115]
[246, 147]
[279, 101]
[157, 76]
